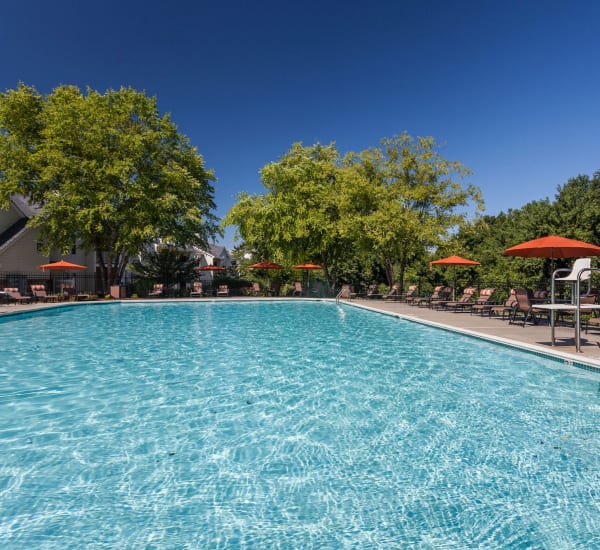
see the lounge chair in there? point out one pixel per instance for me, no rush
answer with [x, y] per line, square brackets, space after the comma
[395, 293]
[157, 290]
[412, 298]
[482, 303]
[410, 292]
[223, 290]
[373, 291]
[40, 294]
[506, 307]
[6, 298]
[197, 290]
[440, 294]
[70, 294]
[526, 305]
[424, 300]
[16, 295]
[297, 289]
[462, 301]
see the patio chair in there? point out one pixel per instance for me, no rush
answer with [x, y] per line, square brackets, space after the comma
[506, 307]
[16, 295]
[526, 305]
[409, 294]
[297, 289]
[40, 294]
[157, 291]
[68, 291]
[6, 298]
[395, 293]
[223, 290]
[412, 298]
[197, 290]
[373, 291]
[440, 294]
[482, 303]
[458, 304]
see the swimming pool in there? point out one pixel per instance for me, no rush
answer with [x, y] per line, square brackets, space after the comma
[287, 425]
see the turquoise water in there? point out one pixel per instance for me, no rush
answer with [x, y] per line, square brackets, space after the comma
[287, 425]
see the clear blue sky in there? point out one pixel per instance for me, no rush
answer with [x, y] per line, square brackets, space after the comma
[511, 89]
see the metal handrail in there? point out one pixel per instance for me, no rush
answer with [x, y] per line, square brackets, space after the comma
[578, 306]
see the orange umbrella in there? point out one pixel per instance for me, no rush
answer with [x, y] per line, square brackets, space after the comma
[308, 266]
[62, 266]
[553, 247]
[453, 260]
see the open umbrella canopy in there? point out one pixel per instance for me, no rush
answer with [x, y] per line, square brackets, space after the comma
[308, 266]
[62, 266]
[454, 260]
[553, 247]
[265, 265]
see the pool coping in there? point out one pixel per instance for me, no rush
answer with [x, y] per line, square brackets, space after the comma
[565, 358]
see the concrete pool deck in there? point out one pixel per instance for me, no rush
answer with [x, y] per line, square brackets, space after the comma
[533, 337]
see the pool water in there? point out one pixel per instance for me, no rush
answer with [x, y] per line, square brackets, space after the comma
[287, 425]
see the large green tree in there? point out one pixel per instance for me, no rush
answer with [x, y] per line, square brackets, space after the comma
[379, 208]
[406, 199]
[107, 170]
[297, 219]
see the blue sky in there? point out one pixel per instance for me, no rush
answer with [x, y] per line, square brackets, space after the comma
[508, 88]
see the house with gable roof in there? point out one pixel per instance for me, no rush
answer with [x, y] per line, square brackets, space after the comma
[20, 255]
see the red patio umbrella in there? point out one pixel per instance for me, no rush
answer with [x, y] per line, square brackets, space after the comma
[62, 266]
[308, 268]
[267, 265]
[553, 247]
[454, 260]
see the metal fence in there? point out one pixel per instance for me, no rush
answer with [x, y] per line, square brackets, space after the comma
[82, 282]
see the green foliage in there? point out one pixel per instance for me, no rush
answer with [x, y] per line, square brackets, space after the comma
[359, 216]
[107, 170]
[575, 213]
[166, 265]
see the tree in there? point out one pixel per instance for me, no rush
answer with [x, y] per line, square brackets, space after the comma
[357, 214]
[107, 170]
[405, 201]
[296, 220]
[167, 265]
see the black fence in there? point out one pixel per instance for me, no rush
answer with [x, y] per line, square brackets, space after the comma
[85, 283]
